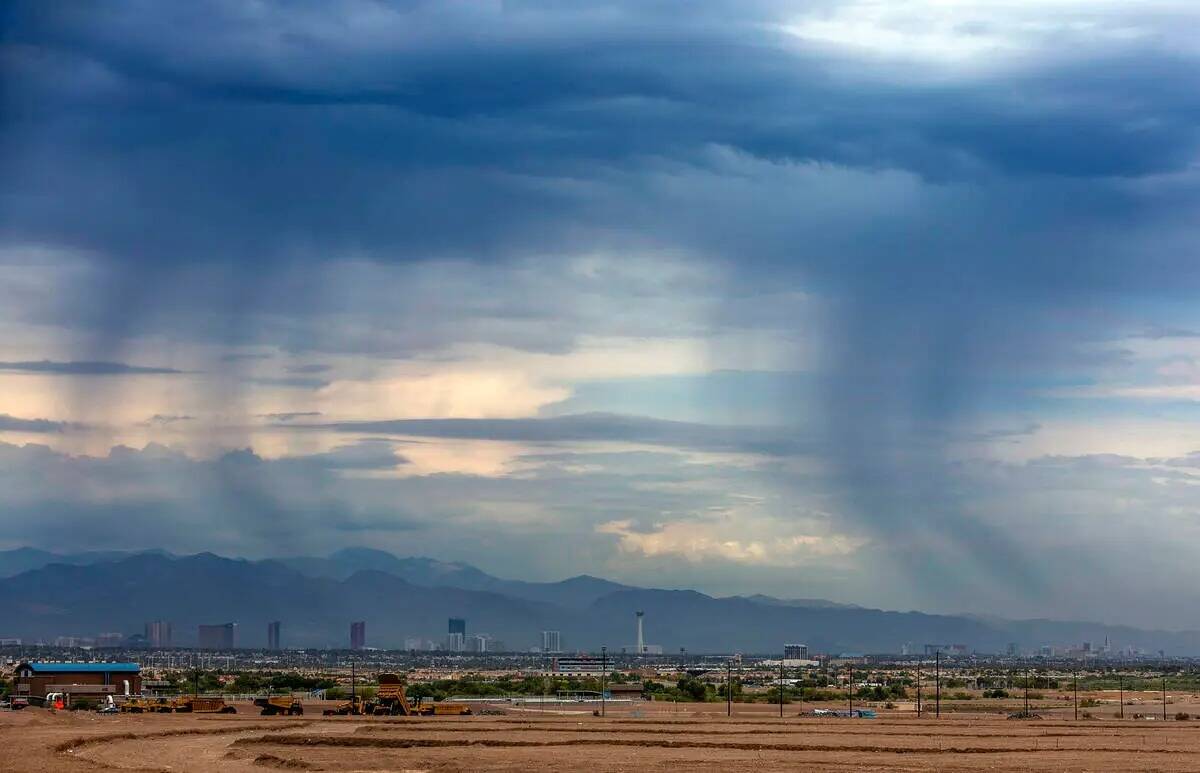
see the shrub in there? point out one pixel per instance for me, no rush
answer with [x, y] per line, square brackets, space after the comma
[1183, 716]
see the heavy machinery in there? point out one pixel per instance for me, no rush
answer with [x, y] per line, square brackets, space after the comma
[144, 705]
[279, 704]
[195, 704]
[357, 707]
[202, 705]
[392, 699]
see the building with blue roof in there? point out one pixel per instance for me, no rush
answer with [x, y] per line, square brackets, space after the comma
[92, 680]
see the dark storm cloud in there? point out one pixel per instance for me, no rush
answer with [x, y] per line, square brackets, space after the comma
[14, 424]
[298, 131]
[315, 368]
[364, 455]
[295, 382]
[289, 416]
[597, 427]
[970, 231]
[237, 496]
[83, 368]
[244, 357]
[165, 419]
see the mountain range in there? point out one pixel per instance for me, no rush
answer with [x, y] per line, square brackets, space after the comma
[46, 595]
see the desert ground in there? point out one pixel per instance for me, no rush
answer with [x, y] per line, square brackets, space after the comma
[641, 737]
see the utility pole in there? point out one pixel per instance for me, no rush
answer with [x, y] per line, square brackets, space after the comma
[603, 679]
[353, 679]
[728, 688]
[1076, 701]
[1121, 683]
[1026, 692]
[937, 684]
[850, 688]
[781, 688]
[1164, 694]
[918, 688]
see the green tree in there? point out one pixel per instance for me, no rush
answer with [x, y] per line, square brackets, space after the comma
[692, 688]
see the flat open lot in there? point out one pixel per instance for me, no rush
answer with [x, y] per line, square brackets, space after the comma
[650, 737]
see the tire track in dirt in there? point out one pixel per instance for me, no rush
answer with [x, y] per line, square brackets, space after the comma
[359, 742]
[811, 729]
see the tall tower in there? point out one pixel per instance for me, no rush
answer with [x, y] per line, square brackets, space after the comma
[641, 644]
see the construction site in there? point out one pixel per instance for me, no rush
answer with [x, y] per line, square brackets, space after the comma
[643, 736]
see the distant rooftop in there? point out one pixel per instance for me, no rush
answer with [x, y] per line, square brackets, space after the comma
[75, 668]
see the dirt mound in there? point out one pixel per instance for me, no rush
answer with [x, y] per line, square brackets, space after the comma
[283, 763]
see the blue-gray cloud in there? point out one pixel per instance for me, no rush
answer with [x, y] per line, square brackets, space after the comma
[15, 424]
[598, 427]
[970, 236]
[83, 368]
[289, 415]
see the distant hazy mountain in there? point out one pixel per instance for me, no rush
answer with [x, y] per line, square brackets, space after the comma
[758, 598]
[400, 598]
[427, 572]
[121, 595]
[14, 562]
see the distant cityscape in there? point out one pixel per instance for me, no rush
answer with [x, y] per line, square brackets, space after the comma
[420, 605]
[223, 637]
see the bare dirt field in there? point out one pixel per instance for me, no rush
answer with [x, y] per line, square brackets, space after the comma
[643, 737]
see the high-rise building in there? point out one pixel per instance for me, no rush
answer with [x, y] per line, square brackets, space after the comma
[158, 633]
[358, 635]
[218, 637]
[551, 642]
[795, 652]
[456, 636]
[273, 635]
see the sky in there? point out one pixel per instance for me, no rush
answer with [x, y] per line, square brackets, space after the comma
[885, 303]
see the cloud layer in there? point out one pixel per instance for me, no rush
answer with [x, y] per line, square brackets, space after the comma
[706, 295]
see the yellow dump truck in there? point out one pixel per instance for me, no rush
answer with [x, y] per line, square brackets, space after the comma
[204, 705]
[357, 707]
[392, 699]
[145, 705]
[279, 704]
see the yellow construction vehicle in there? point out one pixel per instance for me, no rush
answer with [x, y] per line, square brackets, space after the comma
[443, 709]
[146, 705]
[392, 699]
[202, 705]
[279, 704]
[357, 707]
